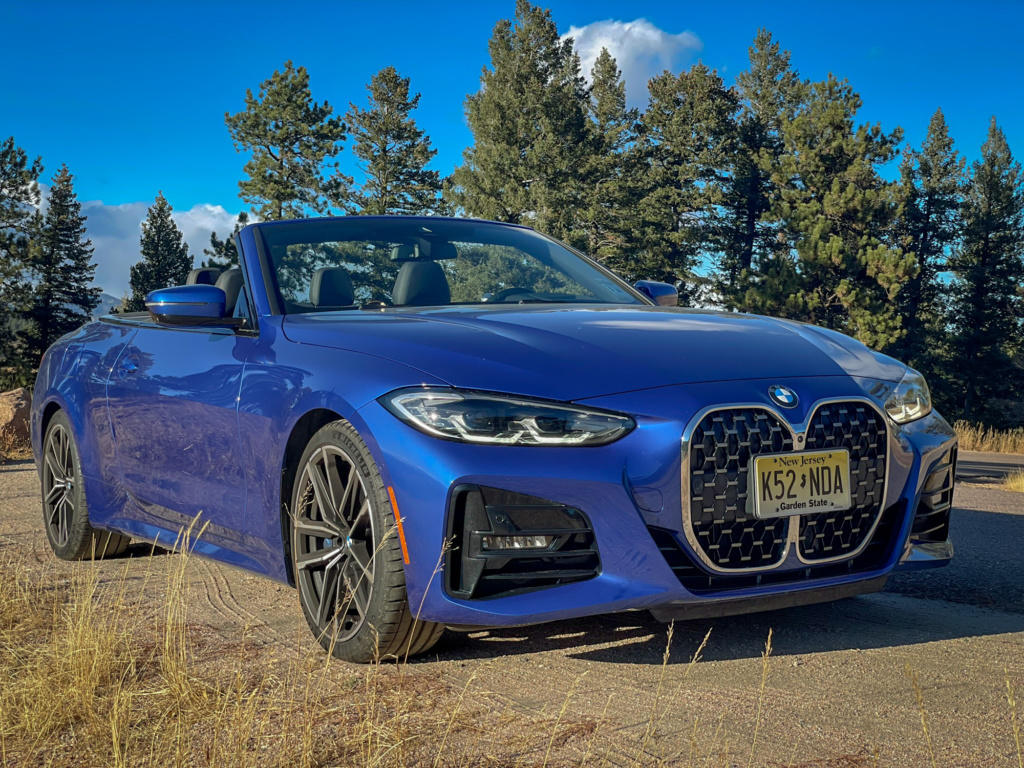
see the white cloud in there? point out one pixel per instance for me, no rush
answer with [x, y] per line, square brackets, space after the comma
[641, 50]
[115, 231]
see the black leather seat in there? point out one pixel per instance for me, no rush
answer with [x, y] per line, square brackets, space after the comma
[330, 288]
[203, 276]
[231, 283]
[421, 284]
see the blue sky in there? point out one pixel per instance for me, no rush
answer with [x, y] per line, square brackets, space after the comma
[132, 95]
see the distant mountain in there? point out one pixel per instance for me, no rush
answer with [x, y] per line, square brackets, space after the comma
[107, 303]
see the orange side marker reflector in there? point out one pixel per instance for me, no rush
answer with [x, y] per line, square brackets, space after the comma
[398, 522]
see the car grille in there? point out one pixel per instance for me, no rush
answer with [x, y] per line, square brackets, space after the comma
[860, 429]
[720, 452]
[878, 552]
[721, 449]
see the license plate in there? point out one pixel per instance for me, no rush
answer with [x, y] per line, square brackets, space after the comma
[800, 483]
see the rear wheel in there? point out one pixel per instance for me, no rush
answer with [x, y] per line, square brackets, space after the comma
[65, 512]
[346, 554]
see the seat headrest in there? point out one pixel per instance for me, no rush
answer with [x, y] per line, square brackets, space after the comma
[331, 287]
[203, 276]
[231, 283]
[443, 250]
[421, 284]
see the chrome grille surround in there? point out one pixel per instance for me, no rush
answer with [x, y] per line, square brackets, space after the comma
[726, 513]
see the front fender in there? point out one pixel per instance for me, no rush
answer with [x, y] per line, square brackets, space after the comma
[281, 383]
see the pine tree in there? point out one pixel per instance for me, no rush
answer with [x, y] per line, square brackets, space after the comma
[62, 269]
[754, 258]
[393, 152]
[223, 254]
[609, 178]
[932, 181]
[165, 258]
[987, 305]
[19, 223]
[838, 214]
[294, 142]
[529, 124]
[685, 135]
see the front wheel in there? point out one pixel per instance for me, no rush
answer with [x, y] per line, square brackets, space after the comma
[65, 511]
[346, 555]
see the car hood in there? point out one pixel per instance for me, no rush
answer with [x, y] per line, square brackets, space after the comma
[573, 353]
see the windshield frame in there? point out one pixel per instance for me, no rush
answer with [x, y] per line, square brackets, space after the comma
[278, 303]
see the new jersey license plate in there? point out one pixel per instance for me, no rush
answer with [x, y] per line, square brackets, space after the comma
[800, 483]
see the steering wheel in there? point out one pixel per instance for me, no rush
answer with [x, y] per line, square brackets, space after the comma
[524, 293]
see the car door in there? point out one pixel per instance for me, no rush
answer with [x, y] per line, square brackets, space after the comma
[173, 399]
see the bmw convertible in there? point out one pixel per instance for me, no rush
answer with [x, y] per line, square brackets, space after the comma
[422, 422]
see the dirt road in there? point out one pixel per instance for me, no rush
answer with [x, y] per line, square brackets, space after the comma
[838, 689]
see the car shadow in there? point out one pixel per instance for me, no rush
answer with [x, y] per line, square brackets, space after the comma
[980, 593]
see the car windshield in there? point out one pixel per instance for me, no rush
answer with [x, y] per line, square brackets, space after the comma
[375, 262]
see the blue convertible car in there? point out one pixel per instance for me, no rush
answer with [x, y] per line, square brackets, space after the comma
[430, 422]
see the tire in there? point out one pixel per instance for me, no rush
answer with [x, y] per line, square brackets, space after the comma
[65, 510]
[351, 589]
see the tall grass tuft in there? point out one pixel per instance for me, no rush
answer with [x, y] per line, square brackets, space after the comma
[1014, 481]
[975, 437]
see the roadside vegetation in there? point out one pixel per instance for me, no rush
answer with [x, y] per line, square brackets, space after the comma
[976, 437]
[89, 675]
[1014, 482]
[13, 449]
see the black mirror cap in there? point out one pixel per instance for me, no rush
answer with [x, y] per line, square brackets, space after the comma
[662, 294]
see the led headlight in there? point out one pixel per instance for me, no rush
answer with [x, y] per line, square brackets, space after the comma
[911, 399]
[479, 417]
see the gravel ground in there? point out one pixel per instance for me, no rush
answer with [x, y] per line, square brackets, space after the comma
[837, 692]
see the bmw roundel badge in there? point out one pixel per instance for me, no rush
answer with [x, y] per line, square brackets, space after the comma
[783, 396]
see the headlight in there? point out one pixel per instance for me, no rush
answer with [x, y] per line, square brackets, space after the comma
[911, 400]
[477, 417]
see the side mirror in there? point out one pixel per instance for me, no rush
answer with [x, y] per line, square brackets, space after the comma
[662, 294]
[188, 305]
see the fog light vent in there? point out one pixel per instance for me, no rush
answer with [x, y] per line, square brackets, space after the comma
[503, 543]
[931, 523]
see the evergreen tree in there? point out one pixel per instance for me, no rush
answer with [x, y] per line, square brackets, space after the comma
[223, 254]
[932, 185]
[987, 305]
[610, 188]
[165, 258]
[838, 215]
[62, 269]
[19, 222]
[392, 151]
[754, 257]
[529, 124]
[293, 141]
[685, 136]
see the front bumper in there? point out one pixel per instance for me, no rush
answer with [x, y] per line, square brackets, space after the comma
[629, 491]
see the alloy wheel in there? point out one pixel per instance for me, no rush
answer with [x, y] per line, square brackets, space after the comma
[59, 478]
[335, 543]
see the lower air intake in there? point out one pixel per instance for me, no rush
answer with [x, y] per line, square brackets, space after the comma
[502, 543]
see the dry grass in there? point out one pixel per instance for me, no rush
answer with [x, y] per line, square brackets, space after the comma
[92, 675]
[975, 437]
[12, 449]
[87, 678]
[1014, 481]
